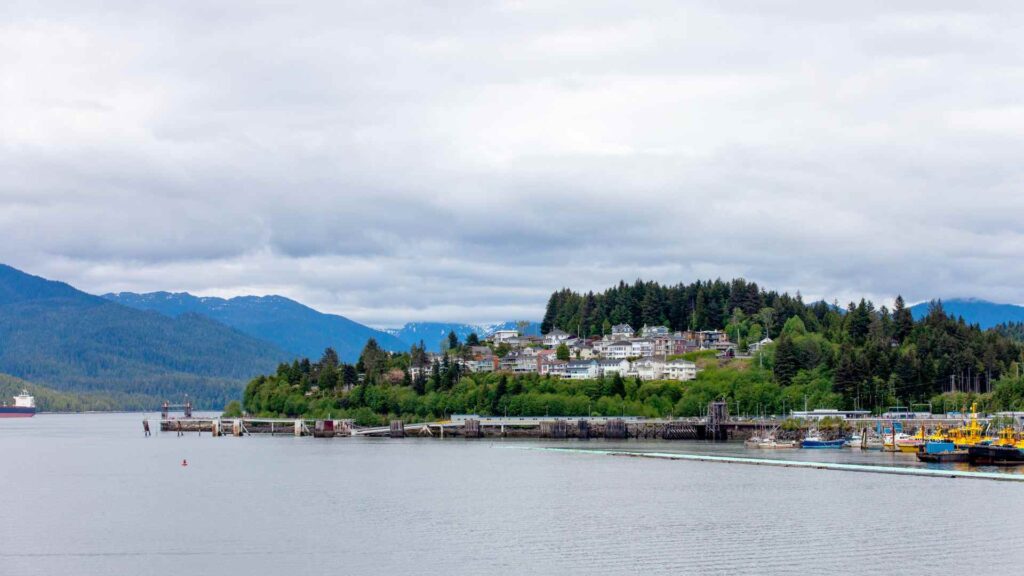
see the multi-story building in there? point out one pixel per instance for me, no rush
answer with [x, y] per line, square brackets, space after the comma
[680, 370]
[610, 366]
[618, 349]
[582, 369]
[649, 368]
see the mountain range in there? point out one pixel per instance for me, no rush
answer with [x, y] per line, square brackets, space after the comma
[974, 311]
[433, 333]
[55, 335]
[298, 329]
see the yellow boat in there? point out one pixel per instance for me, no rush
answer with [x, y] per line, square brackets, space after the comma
[971, 433]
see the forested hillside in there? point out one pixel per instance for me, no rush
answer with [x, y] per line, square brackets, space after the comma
[49, 400]
[870, 355]
[68, 340]
[822, 357]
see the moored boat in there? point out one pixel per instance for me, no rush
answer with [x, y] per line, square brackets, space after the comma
[816, 442]
[943, 457]
[992, 455]
[773, 444]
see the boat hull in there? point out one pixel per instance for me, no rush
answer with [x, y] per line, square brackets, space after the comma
[995, 456]
[822, 444]
[944, 457]
[17, 412]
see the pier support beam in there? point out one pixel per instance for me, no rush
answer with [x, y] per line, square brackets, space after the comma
[397, 429]
[583, 429]
[472, 429]
[615, 428]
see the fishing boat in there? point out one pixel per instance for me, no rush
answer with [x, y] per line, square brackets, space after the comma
[815, 441]
[854, 441]
[901, 442]
[773, 444]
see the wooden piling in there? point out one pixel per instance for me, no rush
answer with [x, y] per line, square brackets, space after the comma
[397, 429]
[472, 428]
[615, 428]
[554, 429]
[583, 429]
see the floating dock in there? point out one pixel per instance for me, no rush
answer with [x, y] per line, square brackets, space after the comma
[896, 470]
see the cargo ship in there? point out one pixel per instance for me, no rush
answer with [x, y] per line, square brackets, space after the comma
[24, 407]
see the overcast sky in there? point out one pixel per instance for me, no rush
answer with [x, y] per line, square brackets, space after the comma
[398, 161]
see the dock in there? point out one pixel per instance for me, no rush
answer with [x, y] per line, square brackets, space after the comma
[466, 427]
[866, 468]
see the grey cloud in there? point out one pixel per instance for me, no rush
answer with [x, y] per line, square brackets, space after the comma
[396, 161]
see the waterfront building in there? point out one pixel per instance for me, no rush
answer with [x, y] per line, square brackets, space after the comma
[819, 413]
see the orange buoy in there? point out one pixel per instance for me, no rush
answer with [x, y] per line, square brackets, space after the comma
[184, 462]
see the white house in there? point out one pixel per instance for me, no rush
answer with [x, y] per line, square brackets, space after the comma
[649, 368]
[652, 331]
[582, 370]
[680, 370]
[641, 347]
[618, 350]
[554, 367]
[500, 336]
[556, 337]
[759, 345]
[609, 366]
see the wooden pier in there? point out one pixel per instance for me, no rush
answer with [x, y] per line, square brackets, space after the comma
[716, 426]
[482, 427]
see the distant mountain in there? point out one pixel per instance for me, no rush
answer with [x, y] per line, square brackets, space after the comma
[55, 335]
[432, 333]
[975, 311]
[290, 325]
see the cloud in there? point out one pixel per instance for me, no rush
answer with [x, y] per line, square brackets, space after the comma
[396, 162]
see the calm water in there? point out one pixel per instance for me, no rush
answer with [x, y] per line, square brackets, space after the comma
[88, 494]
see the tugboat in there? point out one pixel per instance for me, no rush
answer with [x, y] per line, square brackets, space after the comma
[24, 407]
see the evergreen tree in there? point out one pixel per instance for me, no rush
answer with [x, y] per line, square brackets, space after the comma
[787, 361]
[330, 358]
[618, 385]
[903, 320]
[562, 352]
